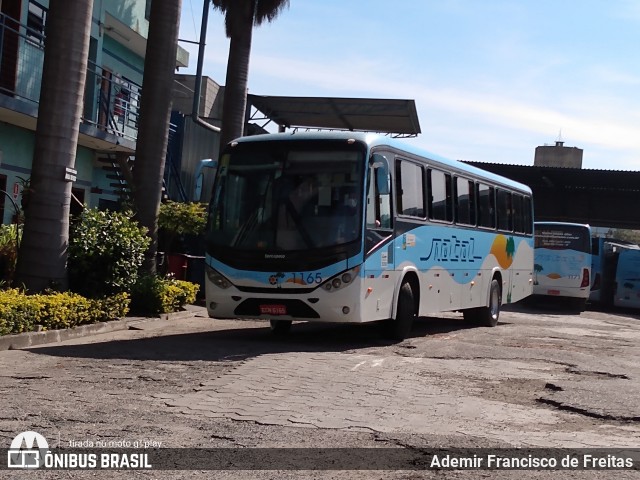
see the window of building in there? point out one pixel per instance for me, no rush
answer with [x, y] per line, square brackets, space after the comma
[36, 21]
[409, 189]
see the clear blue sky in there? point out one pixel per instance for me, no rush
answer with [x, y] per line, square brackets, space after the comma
[492, 79]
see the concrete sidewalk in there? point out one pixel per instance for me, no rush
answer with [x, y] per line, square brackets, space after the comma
[30, 339]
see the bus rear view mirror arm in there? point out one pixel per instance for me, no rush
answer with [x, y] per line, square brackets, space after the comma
[381, 169]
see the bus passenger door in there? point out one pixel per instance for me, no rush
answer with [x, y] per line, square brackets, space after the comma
[379, 278]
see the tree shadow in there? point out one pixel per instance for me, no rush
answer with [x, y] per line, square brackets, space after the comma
[243, 343]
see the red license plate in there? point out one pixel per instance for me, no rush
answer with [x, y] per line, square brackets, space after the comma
[553, 292]
[273, 310]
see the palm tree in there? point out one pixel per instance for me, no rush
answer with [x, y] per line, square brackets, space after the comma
[155, 112]
[240, 17]
[537, 268]
[43, 251]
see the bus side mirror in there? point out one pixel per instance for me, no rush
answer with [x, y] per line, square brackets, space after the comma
[199, 176]
[381, 169]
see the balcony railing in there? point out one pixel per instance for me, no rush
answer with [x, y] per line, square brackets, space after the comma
[111, 102]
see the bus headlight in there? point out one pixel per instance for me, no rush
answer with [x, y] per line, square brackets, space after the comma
[216, 278]
[341, 280]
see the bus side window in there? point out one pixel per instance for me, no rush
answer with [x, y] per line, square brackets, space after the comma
[440, 201]
[409, 189]
[528, 216]
[465, 205]
[505, 214]
[518, 217]
[486, 206]
[378, 204]
[384, 205]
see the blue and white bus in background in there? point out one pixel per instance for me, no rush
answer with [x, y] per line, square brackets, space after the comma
[562, 263]
[355, 227]
[616, 271]
[627, 282]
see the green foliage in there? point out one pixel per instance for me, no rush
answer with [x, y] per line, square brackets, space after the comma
[154, 295]
[106, 249]
[9, 250]
[182, 218]
[20, 312]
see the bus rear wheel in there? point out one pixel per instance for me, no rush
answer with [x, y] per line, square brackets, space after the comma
[487, 316]
[280, 327]
[400, 327]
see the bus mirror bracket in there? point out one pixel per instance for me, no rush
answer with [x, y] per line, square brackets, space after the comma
[381, 168]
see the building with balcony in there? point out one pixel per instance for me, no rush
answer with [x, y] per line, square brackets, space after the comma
[109, 125]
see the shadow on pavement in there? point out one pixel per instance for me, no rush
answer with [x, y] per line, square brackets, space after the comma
[242, 343]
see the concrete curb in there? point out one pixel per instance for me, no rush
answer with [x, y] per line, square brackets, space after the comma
[31, 339]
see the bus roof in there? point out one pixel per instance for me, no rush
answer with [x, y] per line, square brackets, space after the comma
[373, 140]
[564, 224]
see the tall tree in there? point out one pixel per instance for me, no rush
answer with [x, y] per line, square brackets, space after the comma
[240, 17]
[155, 114]
[43, 251]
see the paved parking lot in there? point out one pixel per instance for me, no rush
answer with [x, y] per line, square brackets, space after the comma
[539, 379]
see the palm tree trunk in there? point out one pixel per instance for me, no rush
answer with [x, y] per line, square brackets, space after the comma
[43, 251]
[155, 114]
[241, 17]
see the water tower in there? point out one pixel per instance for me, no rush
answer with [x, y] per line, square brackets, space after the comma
[558, 156]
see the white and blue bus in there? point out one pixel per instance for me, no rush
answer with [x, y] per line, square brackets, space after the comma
[355, 227]
[616, 270]
[627, 283]
[562, 262]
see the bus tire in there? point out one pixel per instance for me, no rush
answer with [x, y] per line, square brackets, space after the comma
[578, 305]
[400, 327]
[488, 316]
[280, 327]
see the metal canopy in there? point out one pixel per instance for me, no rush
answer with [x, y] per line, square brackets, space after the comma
[396, 117]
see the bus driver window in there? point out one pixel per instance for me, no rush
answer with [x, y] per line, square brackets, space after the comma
[379, 194]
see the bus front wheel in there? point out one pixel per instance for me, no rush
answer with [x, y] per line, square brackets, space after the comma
[400, 327]
[280, 327]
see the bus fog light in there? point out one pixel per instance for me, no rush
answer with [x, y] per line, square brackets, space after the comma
[346, 278]
[212, 305]
[328, 286]
[346, 310]
[336, 283]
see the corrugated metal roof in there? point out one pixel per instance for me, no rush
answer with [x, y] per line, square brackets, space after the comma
[564, 177]
[392, 116]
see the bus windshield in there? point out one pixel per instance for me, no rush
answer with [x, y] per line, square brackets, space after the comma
[283, 196]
